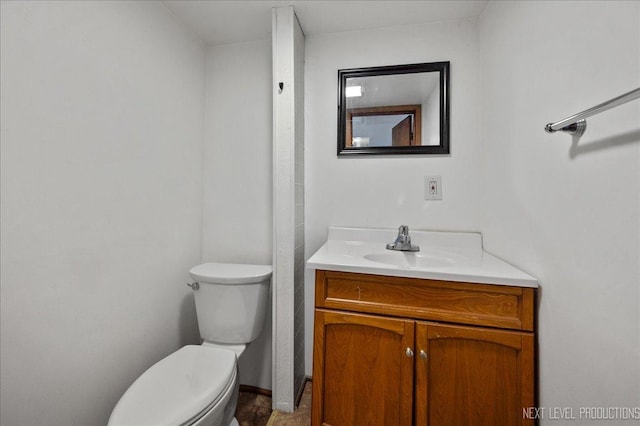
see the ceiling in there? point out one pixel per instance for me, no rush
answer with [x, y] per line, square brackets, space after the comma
[233, 21]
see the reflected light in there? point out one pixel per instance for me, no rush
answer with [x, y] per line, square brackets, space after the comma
[353, 91]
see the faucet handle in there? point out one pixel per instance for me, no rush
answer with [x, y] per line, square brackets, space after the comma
[403, 241]
[403, 234]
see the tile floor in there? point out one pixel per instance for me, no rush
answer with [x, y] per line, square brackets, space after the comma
[300, 417]
[255, 410]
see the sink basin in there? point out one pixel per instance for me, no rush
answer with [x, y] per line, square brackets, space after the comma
[409, 259]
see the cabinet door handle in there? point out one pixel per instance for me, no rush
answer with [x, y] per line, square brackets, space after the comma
[408, 352]
[423, 354]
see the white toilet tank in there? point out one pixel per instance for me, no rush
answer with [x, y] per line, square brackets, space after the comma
[231, 301]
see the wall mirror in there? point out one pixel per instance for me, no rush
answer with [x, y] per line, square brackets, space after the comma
[390, 110]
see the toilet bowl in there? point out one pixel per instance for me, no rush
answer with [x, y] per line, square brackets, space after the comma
[198, 384]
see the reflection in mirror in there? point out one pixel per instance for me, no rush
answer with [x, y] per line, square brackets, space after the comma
[384, 126]
[399, 109]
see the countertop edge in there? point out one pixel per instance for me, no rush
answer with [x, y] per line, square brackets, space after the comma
[442, 276]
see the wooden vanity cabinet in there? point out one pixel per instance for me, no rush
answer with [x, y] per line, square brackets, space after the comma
[363, 380]
[406, 351]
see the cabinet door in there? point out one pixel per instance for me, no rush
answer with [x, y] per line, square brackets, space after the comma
[362, 370]
[472, 376]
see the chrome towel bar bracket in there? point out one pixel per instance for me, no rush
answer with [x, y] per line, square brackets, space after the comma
[578, 128]
[576, 124]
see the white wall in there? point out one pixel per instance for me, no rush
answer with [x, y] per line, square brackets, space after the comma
[237, 187]
[387, 192]
[288, 205]
[567, 211]
[299, 266]
[431, 115]
[102, 126]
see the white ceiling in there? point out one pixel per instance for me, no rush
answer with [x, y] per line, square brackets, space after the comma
[232, 21]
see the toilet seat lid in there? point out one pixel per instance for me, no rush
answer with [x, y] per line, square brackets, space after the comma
[230, 273]
[177, 388]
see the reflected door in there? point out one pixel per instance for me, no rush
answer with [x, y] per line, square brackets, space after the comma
[401, 134]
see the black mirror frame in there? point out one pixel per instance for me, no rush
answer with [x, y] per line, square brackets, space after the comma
[443, 148]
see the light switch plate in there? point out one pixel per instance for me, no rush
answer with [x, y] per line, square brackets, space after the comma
[433, 187]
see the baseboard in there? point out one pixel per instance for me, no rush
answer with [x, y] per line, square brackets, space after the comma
[256, 390]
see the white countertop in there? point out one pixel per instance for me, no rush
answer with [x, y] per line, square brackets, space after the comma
[447, 256]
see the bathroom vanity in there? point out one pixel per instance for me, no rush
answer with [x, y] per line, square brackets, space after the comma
[443, 336]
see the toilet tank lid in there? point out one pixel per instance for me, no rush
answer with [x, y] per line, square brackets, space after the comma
[230, 273]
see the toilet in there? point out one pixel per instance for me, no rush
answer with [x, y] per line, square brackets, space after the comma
[198, 384]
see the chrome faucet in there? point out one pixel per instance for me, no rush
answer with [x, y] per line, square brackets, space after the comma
[403, 241]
